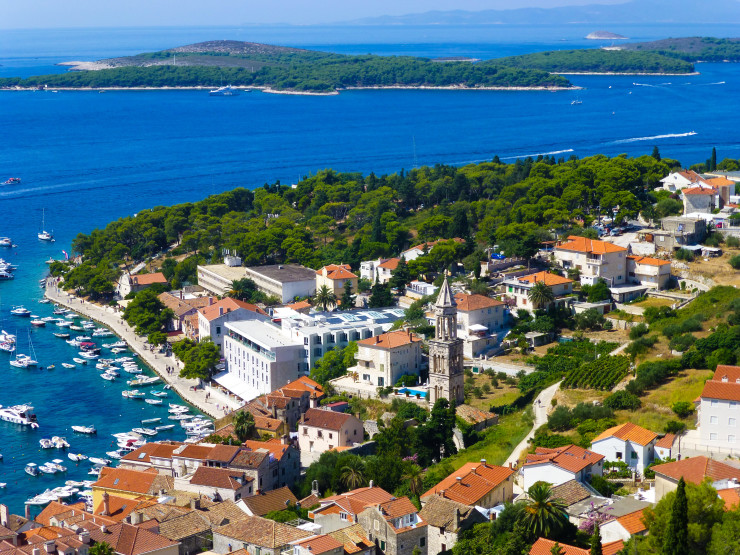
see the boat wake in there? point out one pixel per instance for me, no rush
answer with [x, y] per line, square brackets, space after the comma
[653, 138]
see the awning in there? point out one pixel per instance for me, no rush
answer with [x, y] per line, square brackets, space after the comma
[236, 386]
[477, 327]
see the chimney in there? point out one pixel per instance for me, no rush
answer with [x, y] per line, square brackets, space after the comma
[372, 483]
[314, 488]
[458, 479]
[220, 311]
[210, 301]
[483, 462]
[104, 529]
[50, 546]
[106, 504]
[4, 515]
[195, 504]
[284, 439]
[511, 466]
[181, 295]
[137, 517]
[377, 339]
[36, 550]
[84, 537]
[457, 519]
[28, 512]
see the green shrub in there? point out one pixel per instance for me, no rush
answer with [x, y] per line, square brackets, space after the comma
[638, 331]
[735, 262]
[732, 241]
[604, 487]
[682, 408]
[682, 342]
[641, 345]
[622, 400]
[684, 254]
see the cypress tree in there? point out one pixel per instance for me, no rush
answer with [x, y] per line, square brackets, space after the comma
[713, 160]
[596, 541]
[656, 153]
[676, 540]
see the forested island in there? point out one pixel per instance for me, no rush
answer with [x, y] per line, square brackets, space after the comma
[276, 68]
[692, 49]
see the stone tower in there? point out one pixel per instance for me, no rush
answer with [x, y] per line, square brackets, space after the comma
[446, 376]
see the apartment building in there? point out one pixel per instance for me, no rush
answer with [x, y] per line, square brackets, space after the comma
[334, 276]
[594, 260]
[212, 318]
[284, 281]
[519, 289]
[650, 272]
[322, 430]
[383, 359]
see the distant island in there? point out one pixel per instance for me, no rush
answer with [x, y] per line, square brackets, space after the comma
[691, 49]
[282, 69]
[605, 35]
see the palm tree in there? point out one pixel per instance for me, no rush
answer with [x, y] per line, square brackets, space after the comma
[353, 473]
[540, 295]
[325, 297]
[543, 514]
[414, 474]
[243, 425]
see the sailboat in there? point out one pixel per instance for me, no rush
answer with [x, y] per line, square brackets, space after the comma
[25, 361]
[44, 235]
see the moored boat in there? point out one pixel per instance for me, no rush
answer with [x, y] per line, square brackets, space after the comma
[84, 429]
[32, 469]
[19, 414]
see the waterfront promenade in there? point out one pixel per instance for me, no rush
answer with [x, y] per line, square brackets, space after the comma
[158, 362]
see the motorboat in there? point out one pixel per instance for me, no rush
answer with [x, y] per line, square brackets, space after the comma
[7, 347]
[58, 464]
[117, 344]
[6, 242]
[117, 350]
[76, 327]
[44, 301]
[108, 376]
[133, 394]
[5, 275]
[38, 323]
[145, 431]
[63, 323]
[79, 360]
[88, 355]
[228, 90]
[131, 445]
[153, 401]
[12, 181]
[32, 469]
[99, 461]
[165, 427]
[144, 380]
[84, 429]
[61, 335]
[76, 457]
[7, 337]
[48, 319]
[60, 442]
[19, 414]
[151, 420]
[20, 311]
[68, 365]
[59, 310]
[132, 369]
[180, 416]
[114, 454]
[159, 393]
[46, 443]
[48, 468]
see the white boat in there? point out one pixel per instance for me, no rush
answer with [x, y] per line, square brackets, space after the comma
[32, 469]
[38, 323]
[44, 235]
[181, 416]
[153, 401]
[49, 319]
[68, 365]
[19, 414]
[107, 376]
[46, 443]
[58, 464]
[145, 431]
[7, 347]
[61, 335]
[20, 311]
[151, 420]
[47, 468]
[6, 242]
[159, 393]
[99, 461]
[114, 454]
[60, 442]
[133, 394]
[132, 369]
[76, 457]
[79, 360]
[3, 484]
[117, 344]
[88, 355]
[64, 324]
[165, 427]
[85, 429]
[44, 301]
[5, 275]
[228, 90]
[117, 350]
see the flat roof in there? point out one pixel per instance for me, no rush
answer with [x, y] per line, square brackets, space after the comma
[318, 322]
[264, 333]
[229, 272]
[284, 273]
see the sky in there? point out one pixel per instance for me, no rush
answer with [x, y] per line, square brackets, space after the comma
[40, 14]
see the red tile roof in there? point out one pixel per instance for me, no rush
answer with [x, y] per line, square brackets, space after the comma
[547, 277]
[544, 547]
[300, 305]
[148, 279]
[589, 246]
[266, 502]
[222, 478]
[632, 522]
[319, 544]
[158, 450]
[730, 497]
[628, 432]
[355, 501]
[228, 305]
[391, 340]
[649, 261]
[390, 264]
[695, 469]
[337, 271]
[466, 303]
[720, 182]
[570, 457]
[731, 372]
[699, 191]
[666, 441]
[476, 481]
[126, 539]
[134, 481]
[727, 391]
[325, 419]
[197, 452]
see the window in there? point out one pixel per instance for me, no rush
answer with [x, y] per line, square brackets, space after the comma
[320, 433]
[218, 330]
[330, 436]
[713, 420]
[731, 438]
[633, 454]
[732, 422]
[619, 455]
[733, 405]
[382, 545]
[343, 516]
[712, 436]
[713, 403]
[422, 542]
[376, 525]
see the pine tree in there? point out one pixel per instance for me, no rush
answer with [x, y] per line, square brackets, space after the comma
[656, 153]
[596, 541]
[381, 296]
[348, 299]
[676, 540]
[400, 276]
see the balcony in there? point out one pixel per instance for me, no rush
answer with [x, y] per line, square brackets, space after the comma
[597, 261]
[252, 347]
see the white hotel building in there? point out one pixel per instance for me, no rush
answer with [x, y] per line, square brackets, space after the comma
[263, 356]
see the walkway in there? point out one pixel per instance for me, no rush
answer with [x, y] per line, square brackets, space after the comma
[108, 317]
[540, 407]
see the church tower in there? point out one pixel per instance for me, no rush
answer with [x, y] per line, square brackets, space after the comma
[446, 376]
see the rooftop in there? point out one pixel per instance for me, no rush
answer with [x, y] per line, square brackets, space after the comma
[571, 492]
[227, 305]
[732, 373]
[126, 539]
[727, 391]
[319, 544]
[628, 432]
[649, 261]
[589, 246]
[700, 191]
[440, 512]
[264, 333]
[391, 340]
[221, 478]
[230, 273]
[337, 271]
[632, 522]
[570, 457]
[547, 277]
[148, 279]
[544, 547]
[262, 532]
[147, 482]
[284, 273]
[476, 480]
[466, 303]
[325, 419]
[695, 469]
[666, 442]
[273, 500]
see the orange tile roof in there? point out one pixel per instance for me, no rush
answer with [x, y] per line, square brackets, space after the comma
[228, 305]
[547, 277]
[197, 452]
[666, 441]
[727, 391]
[55, 508]
[691, 175]
[649, 261]
[391, 340]
[700, 191]
[268, 501]
[126, 539]
[466, 303]
[223, 453]
[127, 480]
[695, 469]
[325, 419]
[121, 507]
[337, 271]
[632, 522]
[628, 432]
[732, 373]
[544, 547]
[275, 447]
[589, 246]
[304, 383]
[160, 450]
[730, 497]
[148, 279]
[356, 500]
[396, 508]
[720, 182]
[570, 457]
[319, 544]
[300, 305]
[390, 264]
[219, 478]
[476, 481]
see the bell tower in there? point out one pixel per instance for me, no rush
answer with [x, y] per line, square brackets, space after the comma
[446, 376]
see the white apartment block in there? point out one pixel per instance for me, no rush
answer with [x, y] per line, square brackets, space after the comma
[520, 287]
[650, 272]
[217, 278]
[379, 270]
[284, 281]
[212, 319]
[383, 359]
[680, 180]
[719, 408]
[594, 259]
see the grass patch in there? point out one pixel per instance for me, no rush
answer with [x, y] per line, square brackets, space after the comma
[654, 301]
[711, 304]
[498, 442]
[571, 397]
[687, 386]
[502, 395]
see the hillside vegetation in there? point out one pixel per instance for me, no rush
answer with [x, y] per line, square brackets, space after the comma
[692, 49]
[599, 61]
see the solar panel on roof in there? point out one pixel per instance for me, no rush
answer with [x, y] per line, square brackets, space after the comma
[374, 315]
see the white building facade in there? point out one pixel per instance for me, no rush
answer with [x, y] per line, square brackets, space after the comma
[383, 359]
[719, 409]
[594, 260]
[628, 443]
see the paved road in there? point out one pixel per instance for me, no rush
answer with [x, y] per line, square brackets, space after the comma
[156, 361]
[541, 407]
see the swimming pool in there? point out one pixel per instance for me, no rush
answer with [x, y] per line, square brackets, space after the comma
[413, 392]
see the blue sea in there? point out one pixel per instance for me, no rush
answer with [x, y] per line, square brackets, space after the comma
[89, 158]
